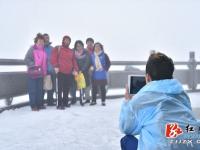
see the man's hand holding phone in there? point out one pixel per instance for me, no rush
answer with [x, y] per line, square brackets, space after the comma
[135, 83]
[128, 96]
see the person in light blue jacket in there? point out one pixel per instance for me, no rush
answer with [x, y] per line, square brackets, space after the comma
[160, 113]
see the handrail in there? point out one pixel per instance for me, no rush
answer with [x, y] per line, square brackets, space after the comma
[11, 81]
[13, 62]
[6, 62]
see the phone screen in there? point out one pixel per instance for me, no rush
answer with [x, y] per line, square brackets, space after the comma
[136, 83]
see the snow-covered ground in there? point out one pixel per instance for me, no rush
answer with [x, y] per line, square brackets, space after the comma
[75, 128]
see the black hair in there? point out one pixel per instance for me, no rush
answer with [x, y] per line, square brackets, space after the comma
[45, 34]
[78, 42]
[90, 39]
[98, 44]
[66, 37]
[38, 36]
[159, 66]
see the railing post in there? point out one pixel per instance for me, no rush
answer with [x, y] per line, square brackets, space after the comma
[192, 64]
[8, 101]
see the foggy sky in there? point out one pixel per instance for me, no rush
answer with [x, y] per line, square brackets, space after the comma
[128, 29]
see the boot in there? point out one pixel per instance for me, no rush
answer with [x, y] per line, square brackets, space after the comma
[103, 103]
[93, 103]
[34, 109]
[81, 100]
[61, 107]
[73, 101]
[68, 104]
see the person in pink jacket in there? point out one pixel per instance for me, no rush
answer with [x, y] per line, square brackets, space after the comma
[36, 61]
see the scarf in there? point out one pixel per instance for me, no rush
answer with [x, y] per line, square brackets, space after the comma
[98, 64]
[79, 54]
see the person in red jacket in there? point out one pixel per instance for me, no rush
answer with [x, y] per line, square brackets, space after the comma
[65, 65]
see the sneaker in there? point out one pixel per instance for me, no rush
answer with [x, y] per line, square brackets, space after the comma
[103, 104]
[93, 103]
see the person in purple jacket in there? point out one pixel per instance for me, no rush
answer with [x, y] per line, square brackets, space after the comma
[100, 66]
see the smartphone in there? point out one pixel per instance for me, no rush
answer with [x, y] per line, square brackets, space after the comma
[135, 83]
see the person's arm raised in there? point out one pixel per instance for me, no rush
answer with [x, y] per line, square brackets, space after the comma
[128, 121]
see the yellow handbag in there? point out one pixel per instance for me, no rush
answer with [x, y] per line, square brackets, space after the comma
[80, 81]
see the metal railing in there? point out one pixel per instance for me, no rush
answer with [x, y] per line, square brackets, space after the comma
[189, 76]
[14, 84]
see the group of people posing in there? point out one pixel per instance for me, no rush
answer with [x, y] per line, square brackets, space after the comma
[63, 64]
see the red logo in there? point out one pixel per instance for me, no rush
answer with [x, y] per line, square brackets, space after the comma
[172, 130]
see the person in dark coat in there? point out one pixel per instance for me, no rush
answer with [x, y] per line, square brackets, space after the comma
[90, 49]
[83, 61]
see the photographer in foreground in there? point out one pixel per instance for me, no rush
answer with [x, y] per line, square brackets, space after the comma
[160, 113]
